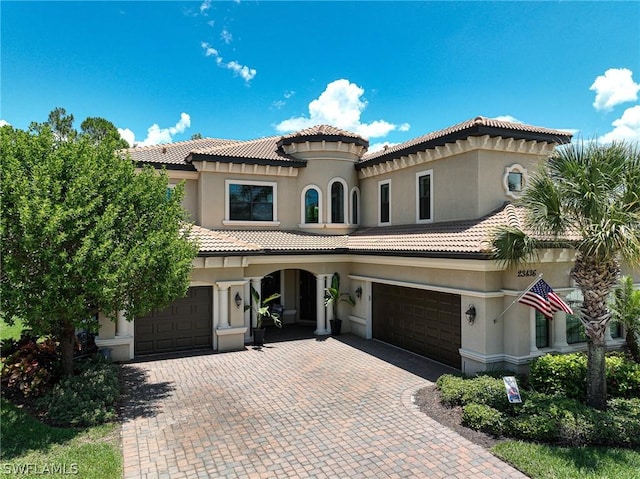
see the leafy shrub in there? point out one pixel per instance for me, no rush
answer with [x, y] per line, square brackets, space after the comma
[566, 374]
[8, 346]
[85, 399]
[623, 376]
[32, 369]
[556, 419]
[486, 390]
[483, 418]
[451, 389]
[563, 374]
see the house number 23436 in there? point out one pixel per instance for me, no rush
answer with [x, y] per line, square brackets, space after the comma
[525, 273]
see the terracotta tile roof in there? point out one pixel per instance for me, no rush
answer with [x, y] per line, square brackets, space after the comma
[172, 153]
[478, 126]
[261, 149]
[323, 132]
[464, 236]
[281, 241]
[453, 238]
[220, 242]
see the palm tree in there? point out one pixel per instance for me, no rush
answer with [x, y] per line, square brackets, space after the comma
[586, 197]
[625, 308]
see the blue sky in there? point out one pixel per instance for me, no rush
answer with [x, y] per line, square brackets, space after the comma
[392, 71]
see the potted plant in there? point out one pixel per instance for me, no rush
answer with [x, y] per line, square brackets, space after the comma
[333, 297]
[262, 310]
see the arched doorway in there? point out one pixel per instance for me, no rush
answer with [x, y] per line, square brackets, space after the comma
[298, 298]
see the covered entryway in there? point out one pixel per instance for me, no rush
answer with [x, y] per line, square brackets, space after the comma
[185, 324]
[422, 321]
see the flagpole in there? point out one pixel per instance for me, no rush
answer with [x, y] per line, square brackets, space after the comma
[519, 297]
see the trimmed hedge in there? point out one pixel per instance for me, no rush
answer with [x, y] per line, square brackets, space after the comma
[566, 375]
[484, 418]
[551, 416]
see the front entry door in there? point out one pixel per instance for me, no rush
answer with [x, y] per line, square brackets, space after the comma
[307, 296]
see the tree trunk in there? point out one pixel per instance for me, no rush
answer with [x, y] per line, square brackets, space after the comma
[596, 278]
[596, 376]
[67, 343]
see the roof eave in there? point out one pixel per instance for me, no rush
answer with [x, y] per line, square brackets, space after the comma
[475, 130]
[247, 161]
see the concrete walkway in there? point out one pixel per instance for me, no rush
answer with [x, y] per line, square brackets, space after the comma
[327, 408]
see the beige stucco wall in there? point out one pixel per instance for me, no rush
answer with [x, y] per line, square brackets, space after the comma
[465, 186]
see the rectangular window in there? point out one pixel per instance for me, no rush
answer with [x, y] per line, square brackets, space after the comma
[542, 331]
[575, 328]
[250, 201]
[384, 215]
[424, 196]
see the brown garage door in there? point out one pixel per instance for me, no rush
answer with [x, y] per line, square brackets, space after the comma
[425, 322]
[185, 324]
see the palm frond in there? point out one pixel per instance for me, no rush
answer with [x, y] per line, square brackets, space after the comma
[511, 246]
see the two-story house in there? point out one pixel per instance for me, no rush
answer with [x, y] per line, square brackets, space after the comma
[405, 227]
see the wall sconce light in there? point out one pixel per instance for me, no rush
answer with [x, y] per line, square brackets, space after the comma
[471, 314]
[359, 292]
[238, 300]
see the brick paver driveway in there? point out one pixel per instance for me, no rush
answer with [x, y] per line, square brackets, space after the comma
[330, 408]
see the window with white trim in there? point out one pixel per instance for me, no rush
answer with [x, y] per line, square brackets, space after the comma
[337, 205]
[311, 201]
[251, 201]
[424, 196]
[384, 202]
[355, 206]
[514, 180]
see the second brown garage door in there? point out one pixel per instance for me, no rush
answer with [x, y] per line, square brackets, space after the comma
[421, 321]
[185, 324]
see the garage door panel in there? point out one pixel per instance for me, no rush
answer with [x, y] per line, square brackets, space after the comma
[425, 322]
[184, 324]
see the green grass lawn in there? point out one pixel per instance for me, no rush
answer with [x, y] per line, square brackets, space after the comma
[541, 461]
[39, 450]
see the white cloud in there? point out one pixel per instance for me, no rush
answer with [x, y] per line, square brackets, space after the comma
[626, 128]
[508, 118]
[204, 6]
[157, 135]
[340, 105]
[616, 86]
[4, 122]
[127, 135]
[243, 71]
[226, 36]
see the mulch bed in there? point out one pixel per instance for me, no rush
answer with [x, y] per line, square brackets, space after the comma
[428, 401]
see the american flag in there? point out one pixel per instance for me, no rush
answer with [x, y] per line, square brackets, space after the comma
[542, 297]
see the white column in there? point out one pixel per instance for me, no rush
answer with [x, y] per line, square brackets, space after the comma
[532, 331]
[607, 333]
[560, 331]
[256, 283]
[223, 306]
[122, 325]
[321, 327]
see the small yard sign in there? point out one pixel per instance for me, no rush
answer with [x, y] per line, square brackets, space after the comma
[513, 393]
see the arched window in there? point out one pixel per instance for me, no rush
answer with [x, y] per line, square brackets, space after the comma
[311, 206]
[355, 205]
[337, 202]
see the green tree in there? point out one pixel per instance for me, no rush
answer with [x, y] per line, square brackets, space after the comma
[59, 123]
[586, 197]
[100, 130]
[82, 231]
[625, 308]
